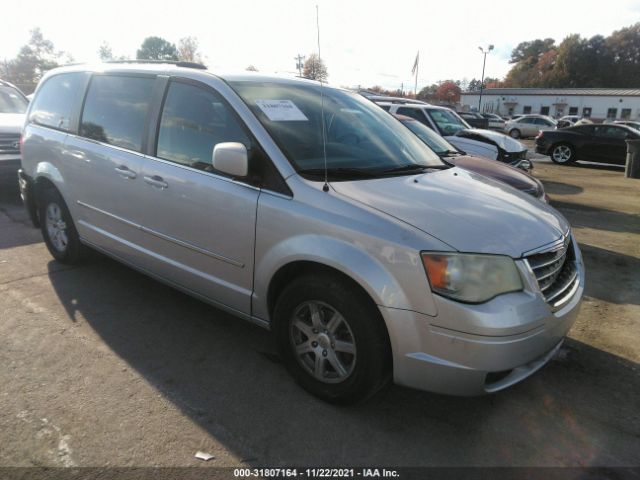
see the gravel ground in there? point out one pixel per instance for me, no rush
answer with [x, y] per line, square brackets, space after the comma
[101, 366]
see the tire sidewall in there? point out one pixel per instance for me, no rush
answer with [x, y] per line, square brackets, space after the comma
[515, 133]
[73, 252]
[372, 369]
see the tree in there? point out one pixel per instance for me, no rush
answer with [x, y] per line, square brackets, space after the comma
[104, 52]
[156, 48]
[448, 92]
[251, 68]
[188, 50]
[33, 61]
[315, 69]
[428, 92]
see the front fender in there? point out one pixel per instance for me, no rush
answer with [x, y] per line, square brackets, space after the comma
[345, 257]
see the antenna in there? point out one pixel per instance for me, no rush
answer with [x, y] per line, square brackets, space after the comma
[325, 187]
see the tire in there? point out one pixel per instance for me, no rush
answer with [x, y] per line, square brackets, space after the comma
[58, 230]
[514, 133]
[344, 354]
[563, 154]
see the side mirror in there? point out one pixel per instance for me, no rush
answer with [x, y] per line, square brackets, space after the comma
[231, 158]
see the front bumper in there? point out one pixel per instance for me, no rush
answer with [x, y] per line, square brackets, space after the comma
[512, 337]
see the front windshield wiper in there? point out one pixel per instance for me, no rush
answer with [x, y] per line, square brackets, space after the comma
[411, 167]
[339, 172]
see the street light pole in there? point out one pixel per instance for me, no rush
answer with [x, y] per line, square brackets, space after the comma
[484, 61]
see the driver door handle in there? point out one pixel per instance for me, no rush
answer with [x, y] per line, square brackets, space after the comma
[156, 181]
[124, 171]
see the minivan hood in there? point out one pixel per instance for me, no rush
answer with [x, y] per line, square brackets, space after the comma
[11, 122]
[503, 141]
[467, 211]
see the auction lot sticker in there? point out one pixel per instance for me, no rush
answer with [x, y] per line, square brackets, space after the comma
[281, 111]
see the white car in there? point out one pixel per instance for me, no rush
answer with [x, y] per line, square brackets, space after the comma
[496, 122]
[13, 104]
[529, 126]
[475, 141]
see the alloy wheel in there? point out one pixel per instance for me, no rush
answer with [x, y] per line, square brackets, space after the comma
[323, 341]
[561, 154]
[56, 227]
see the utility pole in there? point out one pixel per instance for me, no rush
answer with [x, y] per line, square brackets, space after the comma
[299, 63]
[484, 52]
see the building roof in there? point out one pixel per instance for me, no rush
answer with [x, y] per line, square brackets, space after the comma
[615, 92]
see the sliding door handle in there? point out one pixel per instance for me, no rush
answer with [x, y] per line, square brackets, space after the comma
[156, 181]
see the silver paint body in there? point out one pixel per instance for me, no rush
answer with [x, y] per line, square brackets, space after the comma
[223, 241]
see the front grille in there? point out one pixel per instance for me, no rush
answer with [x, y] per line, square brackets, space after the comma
[9, 143]
[556, 272]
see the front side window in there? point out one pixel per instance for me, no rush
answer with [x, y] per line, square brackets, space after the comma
[12, 101]
[612, 132]
[115, 110]
[53, 105]
[194, 121]
[447, 122]
[361, 139]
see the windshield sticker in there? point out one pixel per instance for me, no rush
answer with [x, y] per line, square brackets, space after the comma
[281, 111]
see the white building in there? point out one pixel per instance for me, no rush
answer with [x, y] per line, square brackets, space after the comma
[594, 103]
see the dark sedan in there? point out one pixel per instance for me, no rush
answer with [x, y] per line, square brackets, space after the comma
[484, 166]
[475, 119]
[603, 143]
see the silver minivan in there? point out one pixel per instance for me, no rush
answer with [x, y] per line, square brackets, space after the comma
[309, 211]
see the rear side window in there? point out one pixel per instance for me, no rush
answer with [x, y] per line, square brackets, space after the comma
[115, 110]
[194, 120]
[53, 106]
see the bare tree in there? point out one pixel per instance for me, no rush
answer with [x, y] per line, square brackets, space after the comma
[104, 52]
[315, 69]
[251, 68]
[188, 50]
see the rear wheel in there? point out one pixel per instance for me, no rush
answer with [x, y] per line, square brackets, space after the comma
[514, 133]
[58, 230]
[332, 339]
[563, 154]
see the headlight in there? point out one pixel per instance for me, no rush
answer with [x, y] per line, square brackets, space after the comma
[469, 277]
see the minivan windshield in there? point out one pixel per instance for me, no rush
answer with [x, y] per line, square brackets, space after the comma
[448, 122]
[11, 101]
[431, 138]
[362, 140]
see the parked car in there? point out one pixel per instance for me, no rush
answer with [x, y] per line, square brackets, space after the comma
[594, 142]
[629, 123]
[475, 141]
[529, 126]
[13, 105]
[475, 119]
[496, 122]
[327, 222]
[514, 177]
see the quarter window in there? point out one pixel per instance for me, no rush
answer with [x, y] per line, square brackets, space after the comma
[115, 110]
[195, 120]
[53, 106]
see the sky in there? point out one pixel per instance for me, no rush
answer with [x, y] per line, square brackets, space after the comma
[363, 43]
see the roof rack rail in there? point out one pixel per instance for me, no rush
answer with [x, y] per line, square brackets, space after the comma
[198, 66]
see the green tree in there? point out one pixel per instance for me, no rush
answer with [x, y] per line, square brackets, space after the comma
[624, 53]
[104, 52]
[33, 60]
[315, 69]
[156, 48]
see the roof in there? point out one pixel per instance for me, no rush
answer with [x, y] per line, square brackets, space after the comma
[559, 92]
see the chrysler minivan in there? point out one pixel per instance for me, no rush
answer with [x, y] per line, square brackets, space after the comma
[309, 211]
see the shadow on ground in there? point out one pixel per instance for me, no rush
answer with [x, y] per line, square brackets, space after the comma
[611, 276]
[587, 216]
[559, 188]
[581, 409]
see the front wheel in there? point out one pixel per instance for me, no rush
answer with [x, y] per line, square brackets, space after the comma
[563, 154]
[58, 230]
[332, 339]
[514, 133]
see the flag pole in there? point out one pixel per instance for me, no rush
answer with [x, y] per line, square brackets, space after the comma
[415, 86]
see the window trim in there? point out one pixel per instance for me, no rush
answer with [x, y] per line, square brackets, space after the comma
[145, 127]
[154, 133]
